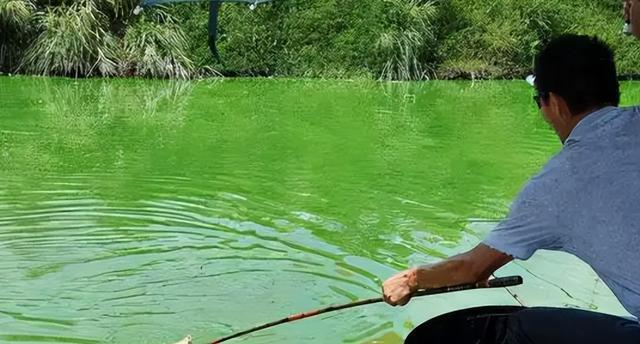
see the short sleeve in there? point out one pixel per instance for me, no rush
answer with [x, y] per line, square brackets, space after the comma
[532, 223]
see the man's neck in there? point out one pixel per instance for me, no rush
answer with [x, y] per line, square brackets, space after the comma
[575, 119]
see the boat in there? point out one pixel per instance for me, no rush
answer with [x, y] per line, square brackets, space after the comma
[466, 326]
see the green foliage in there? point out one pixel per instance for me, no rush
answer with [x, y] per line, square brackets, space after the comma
[379, 39]
[15, 14]
[389, 39]
[601, 18]
[249, 40]
[330, 38]
[15, 17]
[117, 9]
[193, 19]
[73, 41]
[496, 37]
[499, 38]
[405, 46]
[157, 48]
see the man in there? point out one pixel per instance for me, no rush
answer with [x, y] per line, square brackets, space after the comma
[585, 201]
[632, 16]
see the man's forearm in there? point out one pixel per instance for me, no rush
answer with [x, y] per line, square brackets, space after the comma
[452, 271]
[472, 266]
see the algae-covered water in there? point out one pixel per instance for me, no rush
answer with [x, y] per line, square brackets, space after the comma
[136, 211]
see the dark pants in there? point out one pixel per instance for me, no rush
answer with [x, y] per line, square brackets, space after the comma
[519, 325]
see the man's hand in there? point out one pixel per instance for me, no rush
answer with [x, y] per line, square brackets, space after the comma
[397, 290]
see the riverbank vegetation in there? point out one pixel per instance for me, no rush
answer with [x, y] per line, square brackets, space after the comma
[380, 39]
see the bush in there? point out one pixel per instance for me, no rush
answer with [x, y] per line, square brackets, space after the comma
[15, 20]
[495, 38]
[250, 41]
[72, 42]
[390, 39]
[499, 38]
[156, 48]
[405, 48]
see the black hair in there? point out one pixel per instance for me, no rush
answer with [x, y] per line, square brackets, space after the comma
[580, 69]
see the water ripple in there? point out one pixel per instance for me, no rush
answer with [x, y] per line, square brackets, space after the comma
[137, 211]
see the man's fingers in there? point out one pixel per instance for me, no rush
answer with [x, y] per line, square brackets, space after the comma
[396, 301]
[387, 297]
[391, 300]
[397, 297]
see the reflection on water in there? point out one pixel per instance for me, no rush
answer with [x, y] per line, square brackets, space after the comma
[135, 211]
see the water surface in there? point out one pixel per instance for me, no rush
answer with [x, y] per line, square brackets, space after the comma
[136, 211]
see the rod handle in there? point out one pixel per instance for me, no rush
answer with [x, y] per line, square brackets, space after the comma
[502, 282]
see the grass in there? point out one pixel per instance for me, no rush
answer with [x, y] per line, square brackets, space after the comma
[73, 41]
[404, 45]
[15, 14]
[15, 19]
[157, 47]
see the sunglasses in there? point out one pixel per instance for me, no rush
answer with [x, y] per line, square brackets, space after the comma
[539, 97]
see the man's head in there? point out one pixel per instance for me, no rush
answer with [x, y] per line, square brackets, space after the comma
[574, 75]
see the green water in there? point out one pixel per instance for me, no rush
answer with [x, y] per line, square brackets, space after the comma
[137, 211]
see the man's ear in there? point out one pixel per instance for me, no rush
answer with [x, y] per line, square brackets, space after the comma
[559, 106]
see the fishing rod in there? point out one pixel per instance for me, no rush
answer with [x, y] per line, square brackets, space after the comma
[501, 282]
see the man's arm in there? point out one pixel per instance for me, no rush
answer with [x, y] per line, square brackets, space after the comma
[532, 224]
[472, 266]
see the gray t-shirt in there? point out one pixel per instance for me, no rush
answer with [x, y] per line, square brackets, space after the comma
[586, 201]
